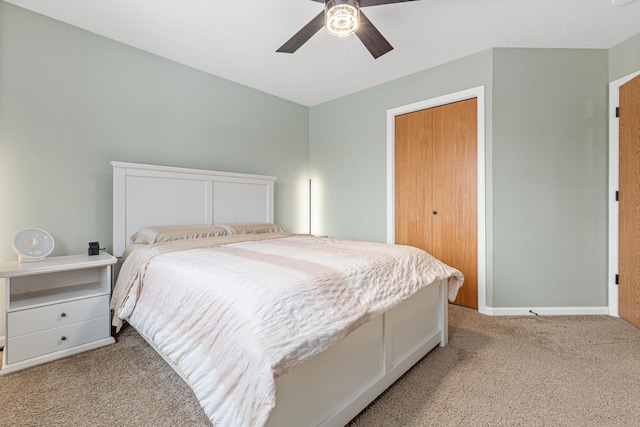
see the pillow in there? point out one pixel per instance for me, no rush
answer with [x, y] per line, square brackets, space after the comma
[177, 232]
[252, 228]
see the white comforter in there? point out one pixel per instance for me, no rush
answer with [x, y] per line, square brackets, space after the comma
[233, 317]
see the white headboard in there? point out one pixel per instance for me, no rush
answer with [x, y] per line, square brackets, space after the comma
[148, 195]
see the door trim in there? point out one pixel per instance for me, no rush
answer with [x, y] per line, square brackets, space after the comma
[614, 147]
[476, 92]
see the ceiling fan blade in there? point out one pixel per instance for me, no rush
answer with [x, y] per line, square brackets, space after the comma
[371, 38]
[367, 3]
[302, 36]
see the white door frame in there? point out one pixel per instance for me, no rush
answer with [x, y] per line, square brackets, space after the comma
[614, 149]
[476, 92]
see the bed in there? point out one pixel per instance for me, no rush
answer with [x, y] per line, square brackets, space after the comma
[312, 353]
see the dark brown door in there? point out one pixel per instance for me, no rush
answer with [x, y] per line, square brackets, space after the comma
[436, 187]
[629, 203]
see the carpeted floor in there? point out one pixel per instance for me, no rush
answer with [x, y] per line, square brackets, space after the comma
[496, 371]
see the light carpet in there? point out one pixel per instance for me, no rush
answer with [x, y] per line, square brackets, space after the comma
[496, 371]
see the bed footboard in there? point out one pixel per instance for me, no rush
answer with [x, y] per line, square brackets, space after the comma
[332, 387]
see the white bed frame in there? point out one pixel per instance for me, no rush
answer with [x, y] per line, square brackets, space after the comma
[332, 387]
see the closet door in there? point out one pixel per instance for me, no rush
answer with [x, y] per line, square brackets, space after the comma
[436, 187]
[413, 151]
[629, 203]
[454, 237]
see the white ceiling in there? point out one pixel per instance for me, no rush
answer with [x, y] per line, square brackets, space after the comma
[237, 39]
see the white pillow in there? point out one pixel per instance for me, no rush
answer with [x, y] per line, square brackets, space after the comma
[168, 233]
[252, 228]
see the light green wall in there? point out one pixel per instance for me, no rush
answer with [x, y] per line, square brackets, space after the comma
[348, 148]
[624, 58]
[348, 145]
[550, 178]
[546, 153]
[72, 101]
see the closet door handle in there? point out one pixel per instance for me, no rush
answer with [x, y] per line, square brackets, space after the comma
[435, 212]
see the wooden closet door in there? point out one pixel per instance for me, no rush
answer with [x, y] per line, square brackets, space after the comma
[413, 151]
[454, 237]
[436, 187]
[629, 203]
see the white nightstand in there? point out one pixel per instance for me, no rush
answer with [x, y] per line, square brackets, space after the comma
[55, 308]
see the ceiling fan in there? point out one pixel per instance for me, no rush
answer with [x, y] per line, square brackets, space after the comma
[344, 17]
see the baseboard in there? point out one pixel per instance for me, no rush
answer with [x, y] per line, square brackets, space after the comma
[546, 311]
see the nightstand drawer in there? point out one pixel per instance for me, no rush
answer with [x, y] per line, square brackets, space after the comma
[54, 316]
[33, 345]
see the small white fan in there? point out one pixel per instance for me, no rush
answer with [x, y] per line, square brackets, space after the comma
[32, 244]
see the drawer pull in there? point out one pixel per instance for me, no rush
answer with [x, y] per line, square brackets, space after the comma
[63, 338]
[63, 315]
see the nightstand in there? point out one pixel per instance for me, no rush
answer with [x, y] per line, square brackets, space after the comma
[55, 308]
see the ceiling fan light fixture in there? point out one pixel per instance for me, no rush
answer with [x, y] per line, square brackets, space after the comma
[341, 17]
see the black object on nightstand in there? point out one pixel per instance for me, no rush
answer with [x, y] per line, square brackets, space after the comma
[94, 248]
